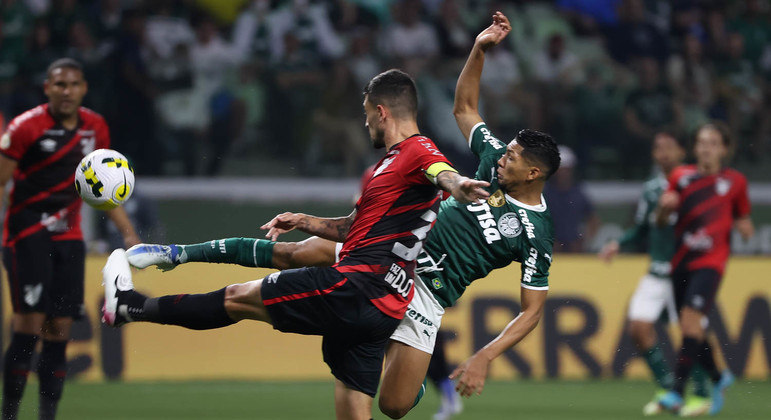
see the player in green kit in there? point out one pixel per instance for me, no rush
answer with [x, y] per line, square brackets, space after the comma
[653, 300]
[467, 242]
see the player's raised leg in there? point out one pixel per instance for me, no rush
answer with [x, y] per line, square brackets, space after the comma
[247, 252]
[195, 311]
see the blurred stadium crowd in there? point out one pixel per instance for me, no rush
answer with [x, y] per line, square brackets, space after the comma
[273, 87]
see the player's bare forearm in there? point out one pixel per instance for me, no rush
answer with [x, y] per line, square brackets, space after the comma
[462, 188]
[471, 374]
[120, 219]
[333, 229]
[745, 227]
[466, 103]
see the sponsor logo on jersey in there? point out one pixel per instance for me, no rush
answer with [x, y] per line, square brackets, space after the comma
[5, 141]
[698, 241]
[87, 144]
[489, 138]
[53, 132]
[497, 199]
[722, 186]
[509, 225]
[529, 227]
[530, 269]
[48, 145]
[397, 278]
[486, 221]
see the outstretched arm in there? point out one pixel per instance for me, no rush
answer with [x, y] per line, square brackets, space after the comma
[334, 229]
[472, 373]
[463, 189]
[466, 108]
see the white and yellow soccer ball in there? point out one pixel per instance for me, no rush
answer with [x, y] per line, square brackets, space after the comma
[104, 179]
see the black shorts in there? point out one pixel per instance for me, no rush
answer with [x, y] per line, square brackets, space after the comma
[46, 276]
[696, 288]
[321, 301]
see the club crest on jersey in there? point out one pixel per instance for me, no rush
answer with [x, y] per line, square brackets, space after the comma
[509, 225]
[722, 186]
[497, 199]
[386, 163]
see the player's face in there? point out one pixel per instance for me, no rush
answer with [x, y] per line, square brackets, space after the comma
[667, 153]
[65, 89]
[709, 148]
[513, 169]
[373, 124]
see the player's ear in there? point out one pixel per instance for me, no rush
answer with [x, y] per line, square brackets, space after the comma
[535, 173]
[383, 112]
[46, 86]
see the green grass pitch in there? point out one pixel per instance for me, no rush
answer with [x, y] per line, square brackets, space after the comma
[601, 399]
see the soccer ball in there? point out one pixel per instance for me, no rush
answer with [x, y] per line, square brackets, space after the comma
[104, 179]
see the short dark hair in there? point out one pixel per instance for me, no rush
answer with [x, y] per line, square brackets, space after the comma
[541, 149]
[396, 90]
[720, 127]
[679, 139]
[64, 63]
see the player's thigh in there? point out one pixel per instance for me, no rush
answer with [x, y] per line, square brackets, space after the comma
[403, 375]
[652, 296]
[30, 274]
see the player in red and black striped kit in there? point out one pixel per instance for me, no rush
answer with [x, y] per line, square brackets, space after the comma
[710, 200]
[43, 249]
[357, 304]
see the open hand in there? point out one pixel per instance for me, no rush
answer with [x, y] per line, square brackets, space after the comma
[494, 33]
[471, 375]
[282, 223]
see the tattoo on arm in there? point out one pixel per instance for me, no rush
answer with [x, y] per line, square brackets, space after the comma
[334, 229]
[448, 180]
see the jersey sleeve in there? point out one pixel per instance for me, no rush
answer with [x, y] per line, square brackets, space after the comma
[423, 154]
[102, 133]
[488, 148]
[741, 202]
[536, 260]
[15, 141]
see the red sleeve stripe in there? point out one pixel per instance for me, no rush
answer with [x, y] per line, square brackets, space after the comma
[304, 295]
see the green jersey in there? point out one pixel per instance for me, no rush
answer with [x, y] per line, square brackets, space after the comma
[661, 239]
[470, 240]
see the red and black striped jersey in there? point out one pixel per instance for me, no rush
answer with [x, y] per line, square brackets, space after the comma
[43, 194]
[393, 216]
[709, 204]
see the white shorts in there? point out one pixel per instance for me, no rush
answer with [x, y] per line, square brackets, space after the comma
[652, 296]
[421, 322]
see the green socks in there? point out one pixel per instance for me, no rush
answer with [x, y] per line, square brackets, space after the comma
[661, 370]
[248, 252]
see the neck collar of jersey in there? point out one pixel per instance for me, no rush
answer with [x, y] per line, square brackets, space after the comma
[539, 208]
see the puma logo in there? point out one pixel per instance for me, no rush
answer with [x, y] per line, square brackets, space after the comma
[427, 333]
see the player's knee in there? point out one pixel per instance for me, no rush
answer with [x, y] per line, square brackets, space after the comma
[394, 408]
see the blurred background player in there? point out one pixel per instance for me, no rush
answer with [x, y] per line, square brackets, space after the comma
[439, 371]
[575, 221]
[654, 300]
[43, 249]
[709, 199]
